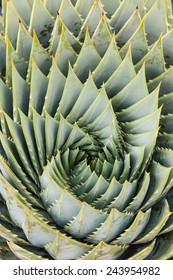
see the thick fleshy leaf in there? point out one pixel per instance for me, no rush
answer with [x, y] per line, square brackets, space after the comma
[55, 89]
[156, 16]
[105, 251]
[123, 13]
[109, 63]
[154, 60]
[42, 25]
[102, 36]
[23, 253]
[72, 86]
[132, 232]
[138, 44]
[159, 216]
[38, 88]
[87, 220]
[40, 56]
[84, 63]
[115, 224]
[115, 83]
[21, 93]
[13, 56]
[64, 248]
[92, 20]
[70, 17]
[64, 54]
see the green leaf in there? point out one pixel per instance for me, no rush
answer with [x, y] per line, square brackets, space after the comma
[124, 12]
[15, 164]
[128, 29]
[92, 20]
[159, 175]
[115, 224]
[166, 124]
[120, 78]
[41, 25]
[165, 81]
[24, 254]
[125, 196]
[21, 94]
[39, 132]
[163, 249]
[97, 190]
[65, 206]
[105, 251]
[12, 55]
[154, 61]
[53, 6]
[70, 17]
[72, 90]
[64, 131]
[10, 236]
[56, 33]
[10, 180]
[87, 220]
[38, 88]
[40, 56]
[139, 125]
[28, 132]
[2, 53]
[64, 53]
[132, 232]
[102, 36]
[148, 139]
[108, 64]
[12, 19]
[51, 130]
[24, 10]
[84, 63]
[165, 140]
[136, 160]
[166, 100]
[156, 21]
[101, 103]
[87, 185]
[86, 98]
[56, 84]
[142, 108]
[159, 216]
[75, 135]
[110, 6]
[126, 169]
[133, 92]
[138, 44]
[6, 100]
[167, 43]
[164, 157]
[143, 252]
[65, 248]
[138, 199]
[24, 42]
[81, 177]
[112, 191]
[83, 8]
[21, 147]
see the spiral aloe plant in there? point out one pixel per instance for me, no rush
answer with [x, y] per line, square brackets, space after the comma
[86, 129]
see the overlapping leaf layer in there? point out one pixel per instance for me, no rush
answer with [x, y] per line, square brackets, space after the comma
[86, 116]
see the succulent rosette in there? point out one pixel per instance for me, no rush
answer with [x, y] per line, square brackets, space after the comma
[86, 129]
